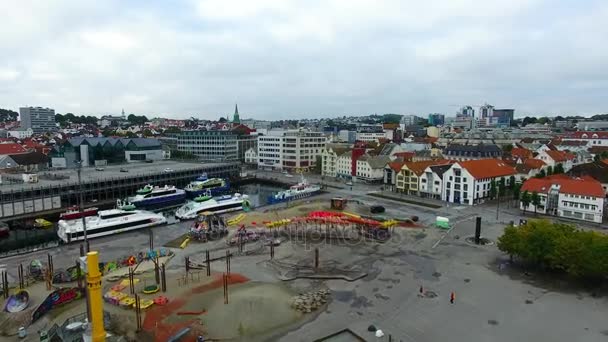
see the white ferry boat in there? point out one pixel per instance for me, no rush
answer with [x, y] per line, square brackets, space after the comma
[298, 191]
[215, 205]
[108, 222]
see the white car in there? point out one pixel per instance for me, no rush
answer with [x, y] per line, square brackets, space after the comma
[168, 170]
[288, 175]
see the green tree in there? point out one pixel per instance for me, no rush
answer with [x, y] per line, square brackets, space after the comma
[512, 182]
[170, 130]
[541, 174]
[147, 133]
[510, 241]
[549, 170]
[502, 187]
[558, 169]
[492, 188]
[131, 135]
[516, 191]
[535, 200]
[507, 148]
[525, 200]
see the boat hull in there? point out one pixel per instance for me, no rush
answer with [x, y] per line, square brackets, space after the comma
[274, 200]
[219, 208]
[160, 202]
[95, 232]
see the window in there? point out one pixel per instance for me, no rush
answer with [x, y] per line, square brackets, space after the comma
[465, 187]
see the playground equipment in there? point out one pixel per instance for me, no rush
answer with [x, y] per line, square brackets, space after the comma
[98, 333]
[235, 219]
[208, 226]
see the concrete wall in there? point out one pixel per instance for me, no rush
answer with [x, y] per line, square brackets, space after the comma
[149, 155]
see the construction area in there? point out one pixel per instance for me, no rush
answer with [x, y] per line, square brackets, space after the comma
[322, 269]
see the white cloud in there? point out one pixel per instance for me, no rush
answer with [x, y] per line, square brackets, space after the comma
[282, 58]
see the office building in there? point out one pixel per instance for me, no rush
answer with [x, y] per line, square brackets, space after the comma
[466, 111]
[39, 119]
[436, 119]
[294, 150]
[212, 145]
[410, 120]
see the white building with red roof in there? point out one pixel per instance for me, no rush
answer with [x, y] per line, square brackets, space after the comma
[592, 138]
[565, 196]
[468, 182]
[554, 157]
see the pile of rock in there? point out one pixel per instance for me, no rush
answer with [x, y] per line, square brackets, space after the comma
[308, 302]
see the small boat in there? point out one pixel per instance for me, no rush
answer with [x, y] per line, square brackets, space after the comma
[17, 302]
[145, 190]
[42, 223]
[73, 213]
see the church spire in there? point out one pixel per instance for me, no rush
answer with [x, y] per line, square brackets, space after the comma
[236, 119]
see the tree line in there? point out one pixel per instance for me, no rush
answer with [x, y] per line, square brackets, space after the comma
[557, 246]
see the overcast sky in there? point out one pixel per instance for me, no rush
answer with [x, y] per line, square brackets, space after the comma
[313, 58]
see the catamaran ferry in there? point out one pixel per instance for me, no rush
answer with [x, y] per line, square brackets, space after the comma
[215, 205]
[108, 222]
[202, 185]
[157, 197]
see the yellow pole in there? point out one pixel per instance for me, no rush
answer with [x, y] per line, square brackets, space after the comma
[98, 333]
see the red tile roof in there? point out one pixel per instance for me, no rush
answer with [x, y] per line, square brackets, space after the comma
[396, 166]
[487, 168]
[585, 186]
[11, 148]
[523, 153]
[587, 135]
[560, 156]
[534, 163]
[390, 125]
[407, 156]
[418, 167]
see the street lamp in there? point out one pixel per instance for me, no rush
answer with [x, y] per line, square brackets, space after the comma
[80, 207]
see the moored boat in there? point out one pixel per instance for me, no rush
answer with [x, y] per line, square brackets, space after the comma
[74, 213]
[207, 186]
[108, 222]
[216, 205]
[158, 197]
[298, 191]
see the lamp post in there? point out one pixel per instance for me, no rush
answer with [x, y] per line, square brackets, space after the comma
[81, 203]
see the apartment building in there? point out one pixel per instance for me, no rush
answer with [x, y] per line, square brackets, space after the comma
[431, 180]
[553, 157]
[472, 152]
[329, 158]
[371, 135]
[295, 150]
[590, 137]
[564, 196]
[39, 119]
[408, 179]
[468, 182]
[371, 168]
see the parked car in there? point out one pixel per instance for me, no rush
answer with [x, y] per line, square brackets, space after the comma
[122, 169]
[288, 175]
[99, 169]
[349, 183]
[377, 209]
[168, 170]
[149, 161]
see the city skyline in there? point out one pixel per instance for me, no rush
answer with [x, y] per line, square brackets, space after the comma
[282, 60]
